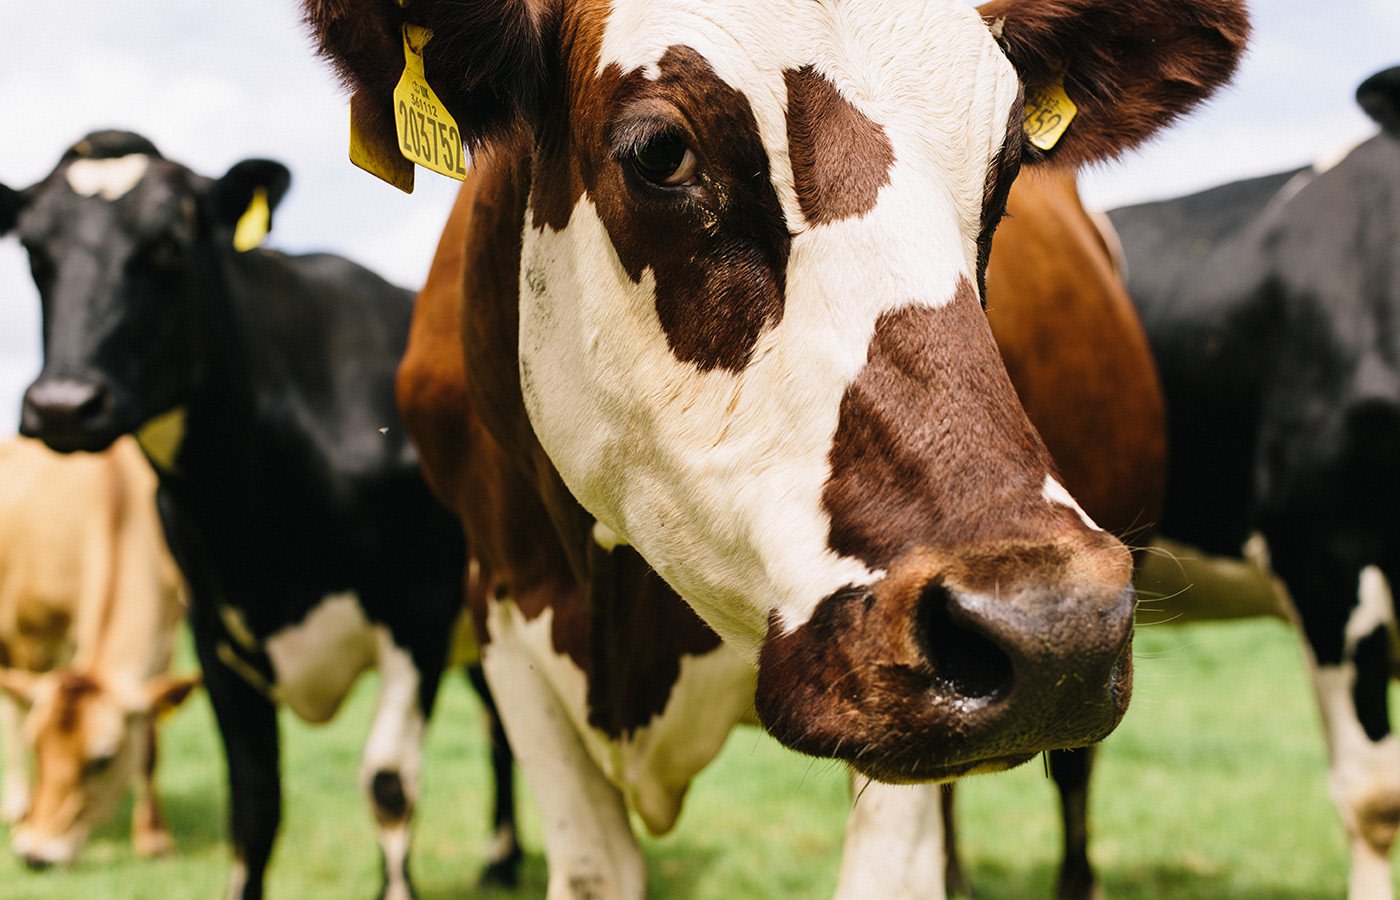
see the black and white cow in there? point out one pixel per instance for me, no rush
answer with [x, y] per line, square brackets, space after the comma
[261, 386]
[1273, 309]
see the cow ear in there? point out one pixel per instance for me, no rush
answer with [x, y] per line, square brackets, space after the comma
[164, 693]
[243, 200]
[485, 59]
[20, 684]
[10, 202]
[1379, 95]
[1130, 68]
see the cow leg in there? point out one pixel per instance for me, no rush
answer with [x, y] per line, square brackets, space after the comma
[16, 800]
[1071, 769]
[954, 877]
[393, 753]
[504, 855]
[248, 725]
[894, 842]
[149, 833]
[588, 839]
[1364, 757]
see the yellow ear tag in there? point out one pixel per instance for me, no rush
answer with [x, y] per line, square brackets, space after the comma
[374, 149]
[254, 224]
[161, 437]
[428, 134]
[1048, 114]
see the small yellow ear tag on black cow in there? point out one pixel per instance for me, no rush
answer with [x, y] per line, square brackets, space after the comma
[161, 438]
[428, 134]
[1048, 114]
[254, 224]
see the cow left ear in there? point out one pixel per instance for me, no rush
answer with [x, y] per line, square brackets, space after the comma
[10, 202]
[1129, 68]
[164, 693]
[20, 684]
[243, 200]
[1379, 96]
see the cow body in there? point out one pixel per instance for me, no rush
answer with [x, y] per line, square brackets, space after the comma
[90, 601]
[633, 731]
[1271, 307]
[261, 386]
[721, 344]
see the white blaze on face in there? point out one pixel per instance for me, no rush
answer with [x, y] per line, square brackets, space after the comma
[1054, 492]
[717, 477]
[110, 179]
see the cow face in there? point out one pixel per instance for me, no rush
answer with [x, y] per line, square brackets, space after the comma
[750, 336]
[119, 242]
[89, 739]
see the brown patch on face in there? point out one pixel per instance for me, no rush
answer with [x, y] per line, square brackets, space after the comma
[717, 248]
[840, 158]
[72, 688]
[932, 448]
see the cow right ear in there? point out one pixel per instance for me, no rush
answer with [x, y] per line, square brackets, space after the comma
[243, 200]
[20, 684]
[10, 202]
[1131, 68]
[485, 59]
[1379, 96]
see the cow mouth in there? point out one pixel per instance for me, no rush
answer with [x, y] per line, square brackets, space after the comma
[71, 440]
[920, 772]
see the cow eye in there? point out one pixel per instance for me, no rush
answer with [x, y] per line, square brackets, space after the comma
[665, 160]
[97, 765]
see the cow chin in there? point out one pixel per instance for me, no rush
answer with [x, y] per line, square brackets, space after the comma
[926, 679]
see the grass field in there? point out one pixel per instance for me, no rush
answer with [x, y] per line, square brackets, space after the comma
[1213, 787]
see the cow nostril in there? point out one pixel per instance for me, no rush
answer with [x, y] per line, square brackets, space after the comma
[36, 863]
[963, 660]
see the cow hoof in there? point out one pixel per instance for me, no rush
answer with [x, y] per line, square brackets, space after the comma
[503, 874]
[154, 844]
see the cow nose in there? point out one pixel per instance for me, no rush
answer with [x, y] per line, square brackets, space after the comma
[1018, 644]
[964, 658]
[64, 411]
[958, 662]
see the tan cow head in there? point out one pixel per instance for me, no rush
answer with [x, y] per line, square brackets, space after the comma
[90, 739]
[750, 337]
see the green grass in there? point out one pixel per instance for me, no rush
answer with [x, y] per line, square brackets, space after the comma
[1214, 786]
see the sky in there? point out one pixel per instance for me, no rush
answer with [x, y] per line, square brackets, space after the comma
[212, 83]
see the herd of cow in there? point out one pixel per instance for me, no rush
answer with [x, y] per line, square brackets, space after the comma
[719, 402]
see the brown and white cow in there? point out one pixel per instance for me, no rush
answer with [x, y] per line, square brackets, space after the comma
[722, 270]
[90, 602]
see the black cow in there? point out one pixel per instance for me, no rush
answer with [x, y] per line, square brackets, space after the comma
[261, 386]
[1273, 310]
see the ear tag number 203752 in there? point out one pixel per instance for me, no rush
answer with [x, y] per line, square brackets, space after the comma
[428, 135]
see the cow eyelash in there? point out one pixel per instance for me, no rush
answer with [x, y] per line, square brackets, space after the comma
[657, 151]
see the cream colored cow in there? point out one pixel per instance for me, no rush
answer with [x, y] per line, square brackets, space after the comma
[90, 601]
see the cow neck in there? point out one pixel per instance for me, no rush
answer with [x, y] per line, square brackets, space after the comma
[129, 634]
[490, 325]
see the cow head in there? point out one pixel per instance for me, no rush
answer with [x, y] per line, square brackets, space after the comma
[750, 336]
[119, 241]
[89, 740]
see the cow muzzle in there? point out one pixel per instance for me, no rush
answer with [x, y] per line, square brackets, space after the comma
[958, 663]
[69, 414]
